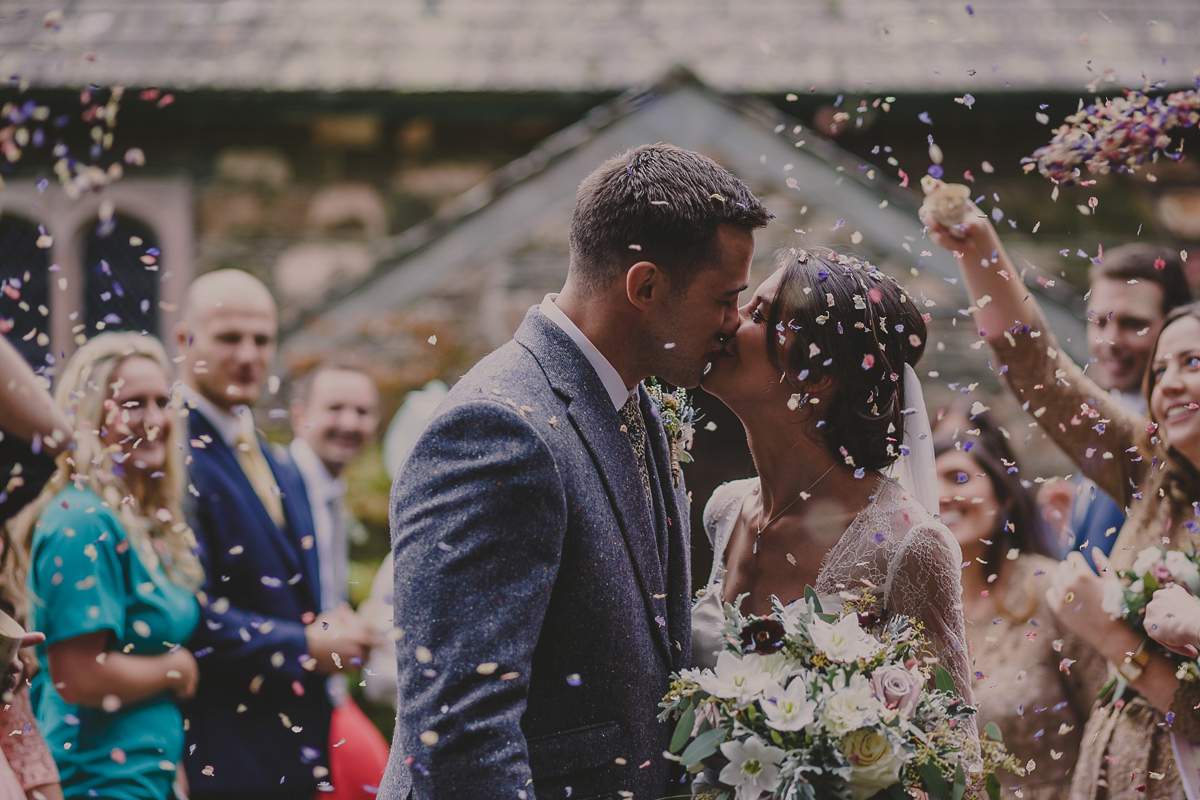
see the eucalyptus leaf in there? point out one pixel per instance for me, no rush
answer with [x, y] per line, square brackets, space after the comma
[810, 594]
[935, 782]
[942, 679]
[960, 784]
[992, 785]
[992, 731]
[683, 730]
[703, 746]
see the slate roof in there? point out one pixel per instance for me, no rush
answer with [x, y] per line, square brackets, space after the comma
[597, 45]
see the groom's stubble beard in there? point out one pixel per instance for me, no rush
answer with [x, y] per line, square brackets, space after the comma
[679, 363]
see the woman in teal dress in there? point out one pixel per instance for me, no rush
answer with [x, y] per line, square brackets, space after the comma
[113, 574]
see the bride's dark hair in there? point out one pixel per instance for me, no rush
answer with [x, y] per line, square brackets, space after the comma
[840, 318]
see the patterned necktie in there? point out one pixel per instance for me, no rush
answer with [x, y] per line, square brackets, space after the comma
[635, 429]
[258, 471]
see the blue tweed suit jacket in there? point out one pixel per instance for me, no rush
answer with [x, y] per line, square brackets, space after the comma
[260, 583]
[543, 603]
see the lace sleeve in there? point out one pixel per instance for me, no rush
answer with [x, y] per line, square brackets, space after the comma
[923, 583]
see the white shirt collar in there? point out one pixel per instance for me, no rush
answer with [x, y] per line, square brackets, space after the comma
[228, 424]
[618, 392]
[316, 475]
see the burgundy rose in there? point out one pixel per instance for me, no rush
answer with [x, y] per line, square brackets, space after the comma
[763, 636]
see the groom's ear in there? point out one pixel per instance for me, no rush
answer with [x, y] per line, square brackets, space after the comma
[645, 284]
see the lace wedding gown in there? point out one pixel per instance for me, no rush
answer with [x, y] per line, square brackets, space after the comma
[894, 549]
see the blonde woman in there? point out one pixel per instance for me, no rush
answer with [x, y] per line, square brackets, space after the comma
[114, 577]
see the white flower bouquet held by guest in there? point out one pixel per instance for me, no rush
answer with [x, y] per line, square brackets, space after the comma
[1150, 466]
[802, 704]
[1127, 593]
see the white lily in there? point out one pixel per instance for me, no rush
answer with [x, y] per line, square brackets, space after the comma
[753, 767]
[735, 678]
[788, 709]
[844, 641]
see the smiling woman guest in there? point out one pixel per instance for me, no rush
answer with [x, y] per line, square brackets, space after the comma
[1016, 644]
[113, 575]
[1150, 466]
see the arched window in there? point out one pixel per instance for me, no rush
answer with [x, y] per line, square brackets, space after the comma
[122, 274]
[24, 289]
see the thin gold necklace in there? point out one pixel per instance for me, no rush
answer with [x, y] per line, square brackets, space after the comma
[762, 526]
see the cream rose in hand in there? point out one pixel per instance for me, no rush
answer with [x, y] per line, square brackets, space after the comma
[877, 762]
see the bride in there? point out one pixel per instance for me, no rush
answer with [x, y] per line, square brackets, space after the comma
[820, 374]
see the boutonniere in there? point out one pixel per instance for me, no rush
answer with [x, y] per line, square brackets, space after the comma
[678, 416]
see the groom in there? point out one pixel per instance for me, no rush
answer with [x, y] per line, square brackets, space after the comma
[540, 545]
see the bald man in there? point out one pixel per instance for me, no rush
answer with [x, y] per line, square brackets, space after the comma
[258, 726]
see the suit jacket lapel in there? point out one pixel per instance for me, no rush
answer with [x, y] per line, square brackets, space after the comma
[599, 426]
[298, 513]
[203, 433]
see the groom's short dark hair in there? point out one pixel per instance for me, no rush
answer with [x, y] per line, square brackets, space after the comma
[657, 203]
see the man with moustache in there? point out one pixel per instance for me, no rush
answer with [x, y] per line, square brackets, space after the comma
[540, 536]
[258, 726]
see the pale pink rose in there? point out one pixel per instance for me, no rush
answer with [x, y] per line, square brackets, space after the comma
[897, 687]
[1161, 574]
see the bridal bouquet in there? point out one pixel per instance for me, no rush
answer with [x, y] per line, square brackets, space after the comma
[803, 705]
[1126, 598]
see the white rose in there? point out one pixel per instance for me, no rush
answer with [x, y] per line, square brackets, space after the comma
[1146, 559]
[1113, 601]
[876, 760]
[850, 706]
[1183, 570]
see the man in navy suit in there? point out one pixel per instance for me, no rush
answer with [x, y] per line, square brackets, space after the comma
[258, 726]
[540, 537]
